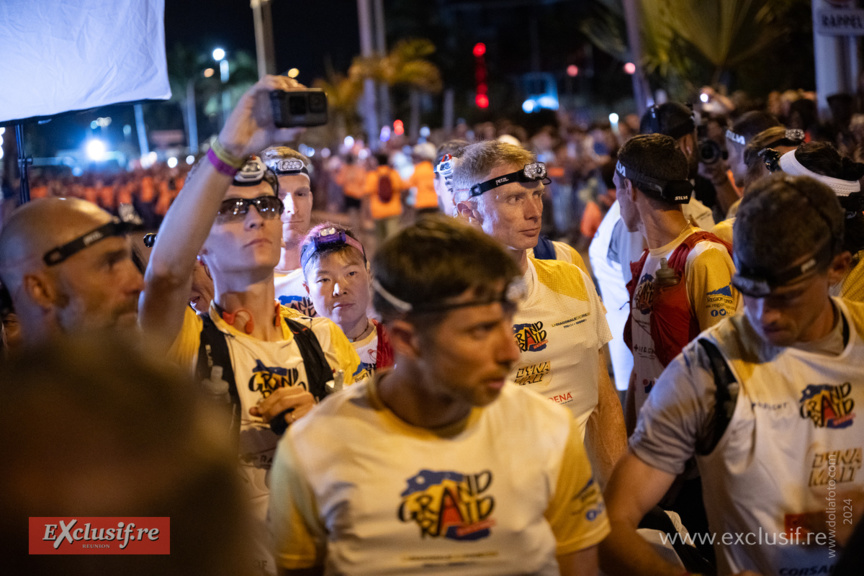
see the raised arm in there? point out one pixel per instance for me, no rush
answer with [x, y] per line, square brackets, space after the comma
[248, 129]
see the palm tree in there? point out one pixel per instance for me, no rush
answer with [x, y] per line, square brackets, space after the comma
[343, 93]
[688, 43]
[407, 65]
[185, 66]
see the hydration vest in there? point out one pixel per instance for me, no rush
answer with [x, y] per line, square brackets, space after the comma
[673, 323]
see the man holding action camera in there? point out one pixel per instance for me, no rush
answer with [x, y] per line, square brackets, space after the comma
[231, 218]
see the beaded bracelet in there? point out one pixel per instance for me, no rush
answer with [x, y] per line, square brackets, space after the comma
[225, 156]
[219, 165]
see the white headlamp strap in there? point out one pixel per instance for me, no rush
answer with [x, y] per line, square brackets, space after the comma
[736, 138]
[790, 165]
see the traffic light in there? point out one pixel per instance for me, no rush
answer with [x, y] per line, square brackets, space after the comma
[482, 97]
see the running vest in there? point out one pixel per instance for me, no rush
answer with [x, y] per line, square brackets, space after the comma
[213, 351]
[544, 250]
[673, 324]
[789, 463]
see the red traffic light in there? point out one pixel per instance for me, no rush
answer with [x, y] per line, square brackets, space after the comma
[479, 49]
[572, 70]
[482, 100]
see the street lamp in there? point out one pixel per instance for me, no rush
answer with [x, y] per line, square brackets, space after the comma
[219, 56]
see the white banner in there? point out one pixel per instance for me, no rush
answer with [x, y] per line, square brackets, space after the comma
[59, 56]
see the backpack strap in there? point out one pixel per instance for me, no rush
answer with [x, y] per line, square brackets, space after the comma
[213, 351]
[678, 258]
[545, 249]
[636, 272]
[725, 398]
[318, 371]
[384, 352]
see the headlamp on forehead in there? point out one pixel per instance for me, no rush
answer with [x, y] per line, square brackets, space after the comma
[513, 294]
[445, 167]
[675, 191]
[757, 282]
[771, 158]
[736, 138]
[283, 166]
[115, 227]
[251, 173]
[530, 173]
[327, 238]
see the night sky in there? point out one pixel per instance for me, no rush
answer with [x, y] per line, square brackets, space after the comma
[305, 33]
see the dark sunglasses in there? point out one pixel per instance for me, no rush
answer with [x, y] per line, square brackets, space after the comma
[269, 207]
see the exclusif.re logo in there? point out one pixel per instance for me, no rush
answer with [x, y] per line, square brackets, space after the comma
[100, 535]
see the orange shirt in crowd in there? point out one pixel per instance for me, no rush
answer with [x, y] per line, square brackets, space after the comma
[424, 180]
[378, 208]
[163, 202]
[124, 193]
[352, 179]
[107, 198]
[148, 189]
[91, 195]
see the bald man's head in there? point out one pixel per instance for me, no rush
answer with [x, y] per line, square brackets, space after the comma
[39, 226]
[91, 284]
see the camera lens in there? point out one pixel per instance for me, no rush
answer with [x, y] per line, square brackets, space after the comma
[709, 152]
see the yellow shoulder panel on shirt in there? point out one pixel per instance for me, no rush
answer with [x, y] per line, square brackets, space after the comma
[566, 253]
[184, 350]
[856, 315]
[562, 278]
[853, 284]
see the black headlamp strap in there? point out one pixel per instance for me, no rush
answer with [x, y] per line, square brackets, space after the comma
[677, 191]
[113, 228]
[518, 176]
[758, 282]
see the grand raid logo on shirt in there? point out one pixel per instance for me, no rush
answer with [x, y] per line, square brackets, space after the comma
[302, 304]
[530, 337]
[266, 379]
[643, 299]
[449, 504]
[827, 405]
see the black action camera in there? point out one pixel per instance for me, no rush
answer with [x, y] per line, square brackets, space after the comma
[299, 108]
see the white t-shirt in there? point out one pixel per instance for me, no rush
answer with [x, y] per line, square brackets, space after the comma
[610, 279]
[791, 455]
[359, 491]
[560, 328]
[291, 293]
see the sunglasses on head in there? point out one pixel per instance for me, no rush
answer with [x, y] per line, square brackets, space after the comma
[268, 207]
